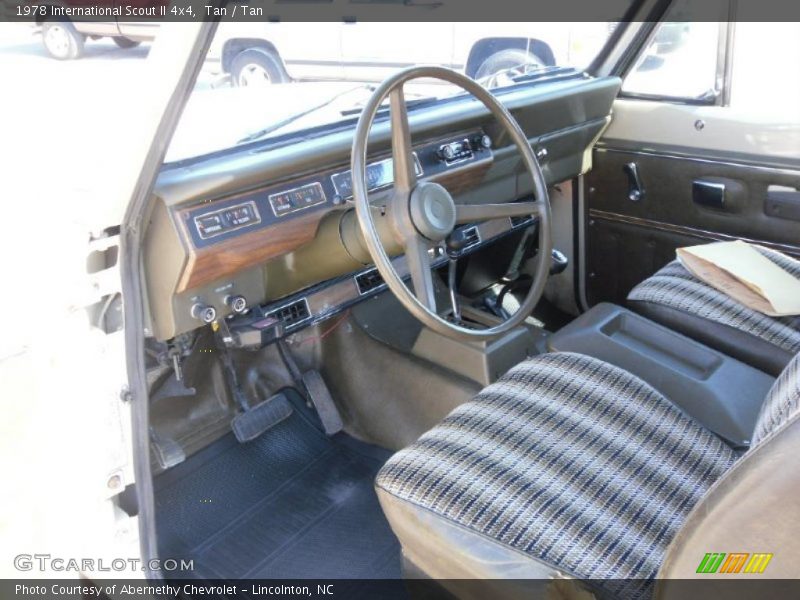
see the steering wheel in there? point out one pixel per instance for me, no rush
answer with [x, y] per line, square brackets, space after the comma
[422, 214]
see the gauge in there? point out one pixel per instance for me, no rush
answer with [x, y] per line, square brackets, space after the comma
[379, 175]
[216, 223]
[297, 198]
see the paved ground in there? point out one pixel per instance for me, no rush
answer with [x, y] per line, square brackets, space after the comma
[58, 108]
[74, 98]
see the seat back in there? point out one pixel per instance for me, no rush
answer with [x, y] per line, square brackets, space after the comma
[753, 508]
[781, 404]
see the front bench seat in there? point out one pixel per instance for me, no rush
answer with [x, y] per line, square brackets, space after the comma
[566, 466]
[679, 300]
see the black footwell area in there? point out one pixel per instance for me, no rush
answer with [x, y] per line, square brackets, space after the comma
[292, 504]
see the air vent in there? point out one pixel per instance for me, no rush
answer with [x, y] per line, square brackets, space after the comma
[368, 281]
[292, 314]
[517, 221]
[471, 236]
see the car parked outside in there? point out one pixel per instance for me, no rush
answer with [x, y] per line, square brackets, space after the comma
[267, 53]
[64, 38]
[259, 53]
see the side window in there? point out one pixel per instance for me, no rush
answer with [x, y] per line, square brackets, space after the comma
[683, 62]
[764, 79]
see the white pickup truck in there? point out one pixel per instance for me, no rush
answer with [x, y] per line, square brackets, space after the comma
[257, 53]
[277, 52]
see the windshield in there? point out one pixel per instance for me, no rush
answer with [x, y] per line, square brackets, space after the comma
[263, 80]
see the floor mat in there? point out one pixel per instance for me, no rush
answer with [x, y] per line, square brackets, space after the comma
[292, 504]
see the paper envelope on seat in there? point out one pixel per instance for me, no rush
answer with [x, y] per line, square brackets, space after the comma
[743, 273]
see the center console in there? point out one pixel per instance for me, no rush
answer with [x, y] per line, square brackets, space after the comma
[483, 361]
[721, 393]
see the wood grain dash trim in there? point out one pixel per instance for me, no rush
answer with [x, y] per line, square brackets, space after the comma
[463, 180]
[247, 250]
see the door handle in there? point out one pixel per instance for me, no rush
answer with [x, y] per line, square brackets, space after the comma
[635, 187]
[711, 194]
[783, 203]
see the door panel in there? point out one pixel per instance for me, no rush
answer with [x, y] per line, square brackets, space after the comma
[720, 165]
[725, 133]
[629, 240]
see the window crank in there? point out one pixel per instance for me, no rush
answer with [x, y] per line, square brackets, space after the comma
[635, 187]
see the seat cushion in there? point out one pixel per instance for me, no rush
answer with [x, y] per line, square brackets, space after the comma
[567, 461]
[677, 299]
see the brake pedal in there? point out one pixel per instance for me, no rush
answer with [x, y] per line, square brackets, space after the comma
[251, 423]
[323, 402]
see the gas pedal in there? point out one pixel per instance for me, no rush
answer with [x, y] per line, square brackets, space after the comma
[323, 402]
[251, 423]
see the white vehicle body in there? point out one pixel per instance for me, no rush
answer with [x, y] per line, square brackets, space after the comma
[357, 51]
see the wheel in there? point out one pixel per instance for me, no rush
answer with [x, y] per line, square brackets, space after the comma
[502, 67]
[126, 43]
[256, 67]
[61, 40]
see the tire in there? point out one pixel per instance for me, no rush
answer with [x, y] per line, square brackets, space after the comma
[503, 63]
[61, 40]
[256, 66]
[126, 43]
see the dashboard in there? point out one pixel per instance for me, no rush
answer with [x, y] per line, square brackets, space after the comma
[228, 219]
[259, 231]
[256, 226]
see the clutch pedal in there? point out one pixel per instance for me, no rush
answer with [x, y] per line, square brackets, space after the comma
[251, 423]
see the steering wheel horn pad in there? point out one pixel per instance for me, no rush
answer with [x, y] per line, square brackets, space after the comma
[433, 211]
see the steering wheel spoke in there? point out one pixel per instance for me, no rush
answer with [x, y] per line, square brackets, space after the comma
[419, 267]
[405, 174]
[470, 213]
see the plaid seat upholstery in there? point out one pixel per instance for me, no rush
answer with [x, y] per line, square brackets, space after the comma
[569, 460]
[782, 403]
[676, 288]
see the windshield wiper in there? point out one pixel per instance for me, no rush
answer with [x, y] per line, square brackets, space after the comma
[262, 133]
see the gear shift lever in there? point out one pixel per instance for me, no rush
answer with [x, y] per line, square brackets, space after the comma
[455, 243]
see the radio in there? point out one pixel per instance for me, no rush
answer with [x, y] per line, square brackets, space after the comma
[457, 151]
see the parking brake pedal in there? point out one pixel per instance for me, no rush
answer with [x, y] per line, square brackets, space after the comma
[323, 402]
[251, 423]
